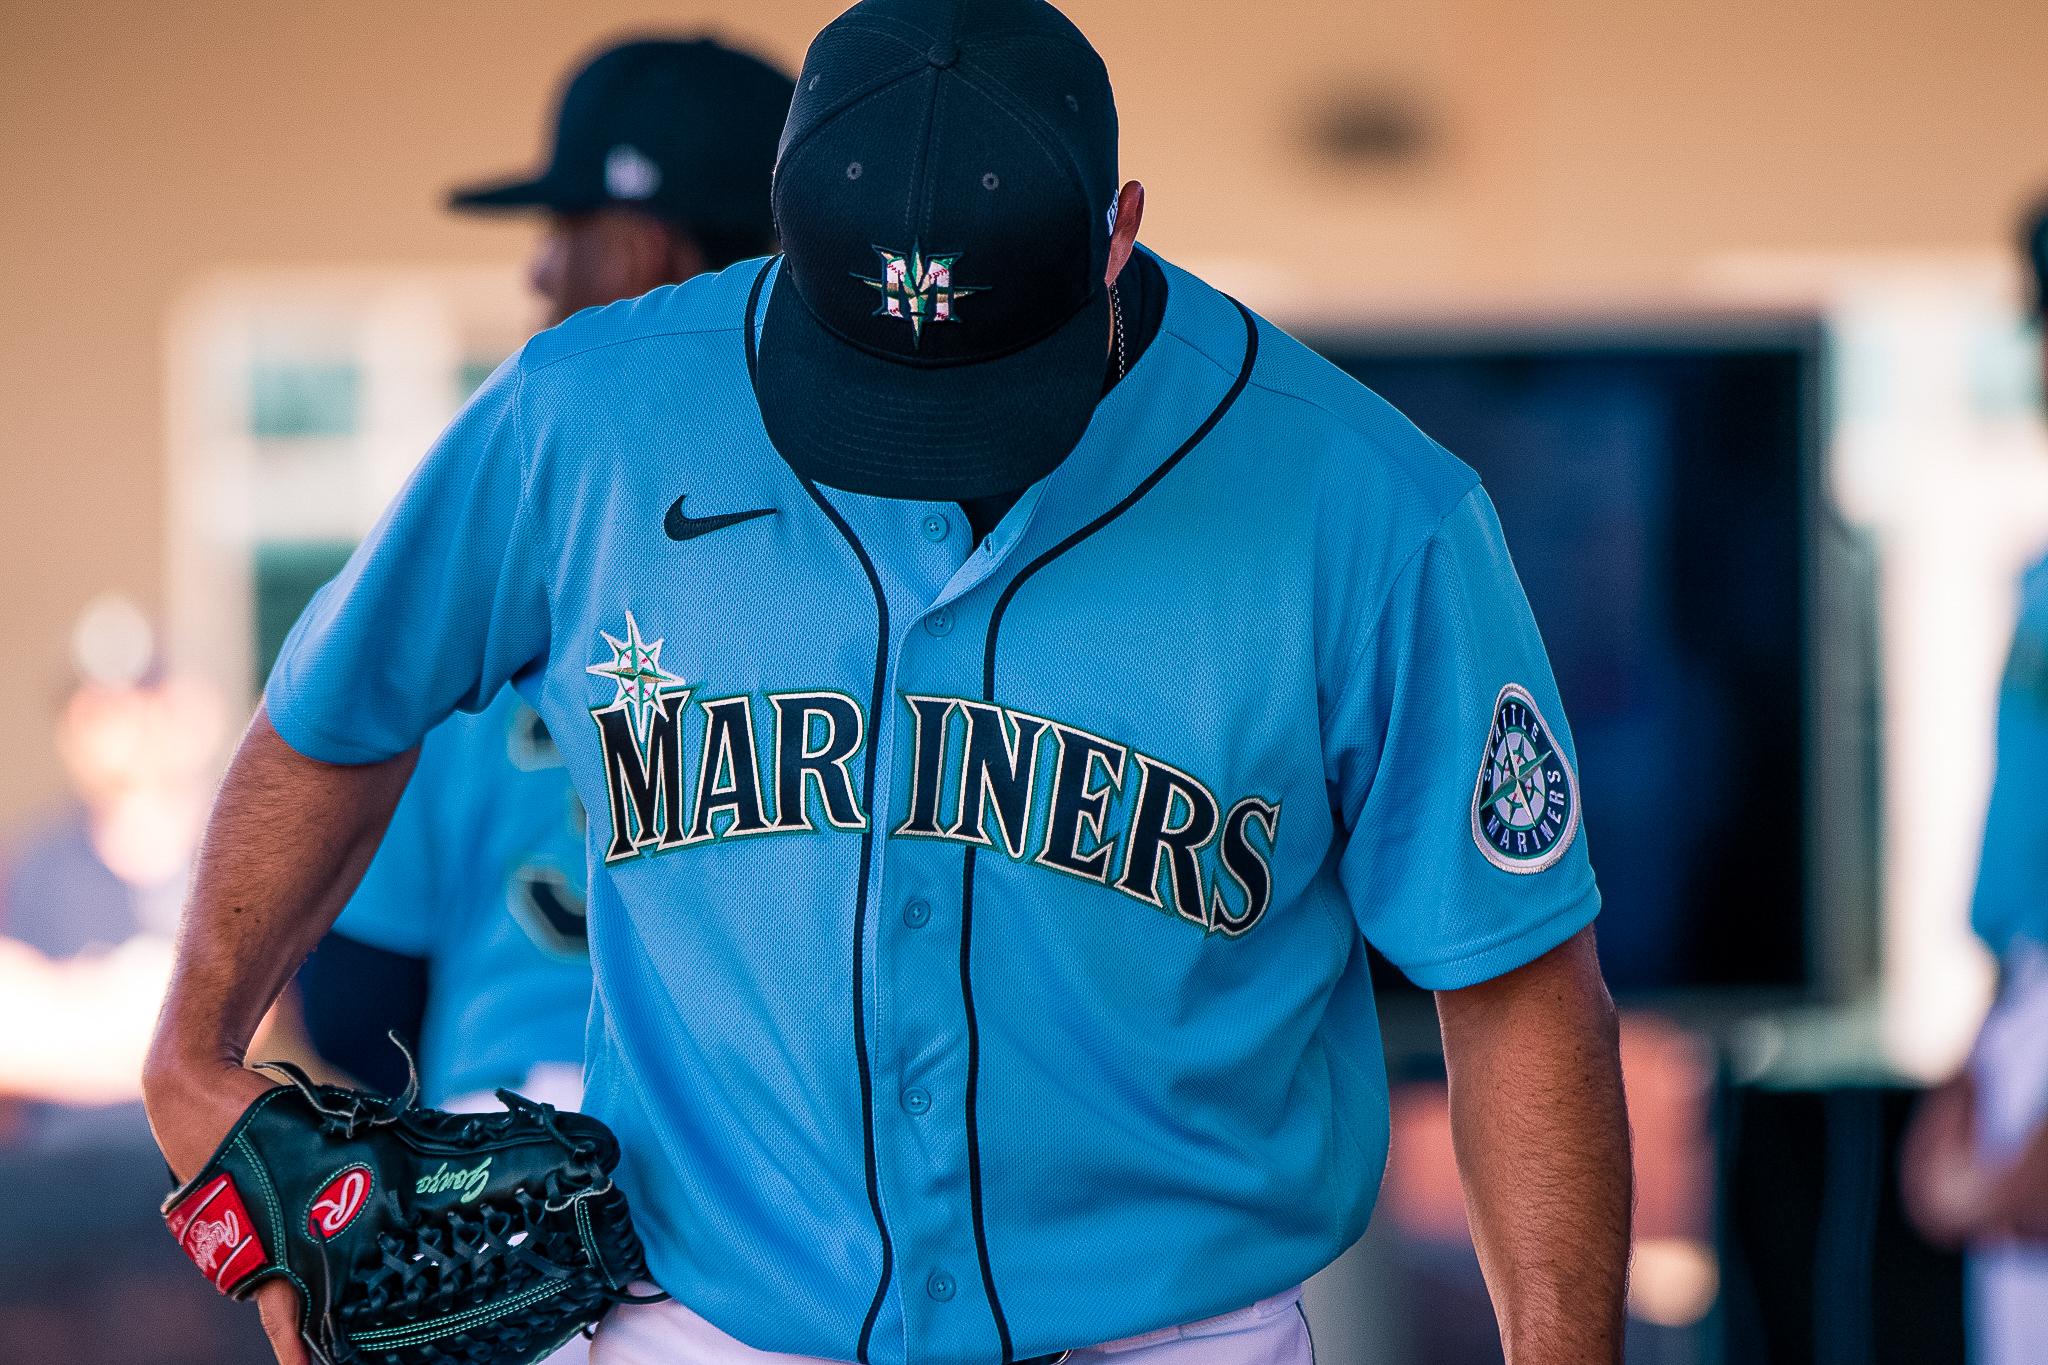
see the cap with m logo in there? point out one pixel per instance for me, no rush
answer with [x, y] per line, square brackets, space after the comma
[938, 325]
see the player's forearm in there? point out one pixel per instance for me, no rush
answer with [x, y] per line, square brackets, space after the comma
[288, 840]
[1541, 1131]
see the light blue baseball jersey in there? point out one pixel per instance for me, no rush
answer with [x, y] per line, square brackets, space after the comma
[978, 963]
[2011, 900]
[481, 873]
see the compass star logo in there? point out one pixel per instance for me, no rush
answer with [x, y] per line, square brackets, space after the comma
[1525, 805]
[635, 666]
[918, 288]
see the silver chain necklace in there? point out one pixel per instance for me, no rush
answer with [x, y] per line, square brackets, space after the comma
[1116, 316]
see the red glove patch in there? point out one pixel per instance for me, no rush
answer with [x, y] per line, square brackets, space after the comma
[213, 1226]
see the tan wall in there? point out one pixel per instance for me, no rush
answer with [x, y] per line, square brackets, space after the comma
[1588, 145]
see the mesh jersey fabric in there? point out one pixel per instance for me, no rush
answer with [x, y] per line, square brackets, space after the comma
[481, 873]
[979, 924]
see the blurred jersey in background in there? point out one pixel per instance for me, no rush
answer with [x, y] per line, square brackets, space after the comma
[467, 934]
[1976, 1160]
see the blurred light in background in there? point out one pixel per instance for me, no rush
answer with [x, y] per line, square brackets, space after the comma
[1672, 1281]
[112, 644]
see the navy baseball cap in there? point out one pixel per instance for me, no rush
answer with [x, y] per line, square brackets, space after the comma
[683, 129]
[939, 326]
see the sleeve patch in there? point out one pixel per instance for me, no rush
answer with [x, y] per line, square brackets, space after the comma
[1525, 804]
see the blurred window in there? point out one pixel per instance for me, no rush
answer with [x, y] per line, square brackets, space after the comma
[293, 401]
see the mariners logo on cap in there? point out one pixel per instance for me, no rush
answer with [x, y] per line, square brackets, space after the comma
[1525, 806]
[918, 288]
[628, 174]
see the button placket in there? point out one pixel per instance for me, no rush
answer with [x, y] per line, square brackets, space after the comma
[917, 1027]
[921, 1140]
[882, 731]
[980, 561]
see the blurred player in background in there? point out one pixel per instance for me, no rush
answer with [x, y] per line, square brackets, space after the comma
[89, 895]
[663, 150]
[466, 936]
[1976, 1159]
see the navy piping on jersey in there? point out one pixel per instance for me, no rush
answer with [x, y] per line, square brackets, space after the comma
[1201, 433]
[988, 691]
[860, 903]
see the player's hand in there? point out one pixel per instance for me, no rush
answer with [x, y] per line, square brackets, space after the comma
[190, 1110]
[191, 1107]
[278, 1302]
[1946, 1190]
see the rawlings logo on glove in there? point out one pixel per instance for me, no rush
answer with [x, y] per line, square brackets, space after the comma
[346, 1195]
[335, 1207]
[212, 1226]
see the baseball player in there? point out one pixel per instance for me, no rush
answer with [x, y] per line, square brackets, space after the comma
[467, 933]
[1006, 678]
[1975, 1163]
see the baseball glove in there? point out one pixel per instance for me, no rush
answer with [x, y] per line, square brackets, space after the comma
[414, 1237]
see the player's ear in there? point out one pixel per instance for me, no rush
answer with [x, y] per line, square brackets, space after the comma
[1123, 233]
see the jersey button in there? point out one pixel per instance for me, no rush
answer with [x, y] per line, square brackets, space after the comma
[916, 1100]
[935, 527]
[940, 1286]
[939, 622]
[916, 914]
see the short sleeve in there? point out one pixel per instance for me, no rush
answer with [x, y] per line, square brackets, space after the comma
[2010, 899]
[1453, 770]
[438, 608]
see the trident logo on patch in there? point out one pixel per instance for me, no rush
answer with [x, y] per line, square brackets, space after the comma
[918, 288]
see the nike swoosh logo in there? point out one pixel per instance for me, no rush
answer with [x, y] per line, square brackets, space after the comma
[680, 527]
